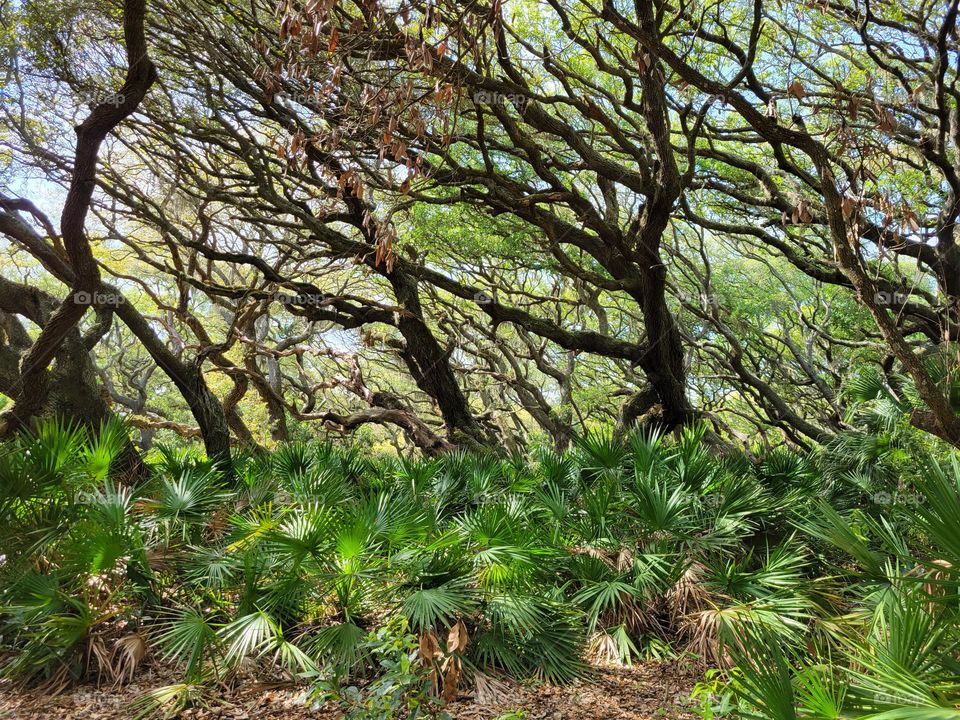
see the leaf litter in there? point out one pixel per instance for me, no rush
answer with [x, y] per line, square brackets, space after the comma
[644, 691]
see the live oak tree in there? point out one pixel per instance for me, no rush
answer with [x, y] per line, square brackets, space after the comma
[860, 136]
[477, 224]
[71, 246]
[628, 74]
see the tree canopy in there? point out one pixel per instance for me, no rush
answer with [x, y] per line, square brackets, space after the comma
[481, 224]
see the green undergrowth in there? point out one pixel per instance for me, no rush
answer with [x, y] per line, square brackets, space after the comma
[818, 585]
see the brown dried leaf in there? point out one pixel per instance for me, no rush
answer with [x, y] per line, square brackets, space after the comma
[797, 90]
[451, 681]
[429, 647]
[459, 638]
[887, 120]
[128, 651]
[491, 691]
[853, 108]
[910, 219]
[848, 205]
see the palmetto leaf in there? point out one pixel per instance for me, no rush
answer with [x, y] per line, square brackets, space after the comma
[211, 567]
[938, 510]
[185, 501]
[556, 502]
[532, 635]
[828, 525]
[660, 505]
[764, 677]
[340, 644]
[52, 451]
[307, 534]
[820, 692]
[916, 713]
[293, 658]
[613, 645]
[518, 613]
[598, 598]
[392, 518]
[647, 449]
[52, 644]
[749, 578]
[441, 605]
[418, 476]
[294, 461]
[908, 657]
[112, 506]
[104, 448]
[186, 636]
[869, 383]
[248, 635]
[691, 463]
[602, 454]
[168, 700]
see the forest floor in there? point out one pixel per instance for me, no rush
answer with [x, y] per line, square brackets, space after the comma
[646, 691]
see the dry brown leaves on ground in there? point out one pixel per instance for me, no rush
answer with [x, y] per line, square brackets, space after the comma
[649, 691]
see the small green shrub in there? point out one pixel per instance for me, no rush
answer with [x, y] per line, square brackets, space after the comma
[401, 686]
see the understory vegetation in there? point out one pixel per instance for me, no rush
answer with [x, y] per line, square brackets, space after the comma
[820, 585]
[405, 351]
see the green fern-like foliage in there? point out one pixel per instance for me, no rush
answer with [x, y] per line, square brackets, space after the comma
[622, 549]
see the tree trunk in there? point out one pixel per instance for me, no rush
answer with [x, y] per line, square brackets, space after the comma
[188, 377]
[430, 366]
[141, 74]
